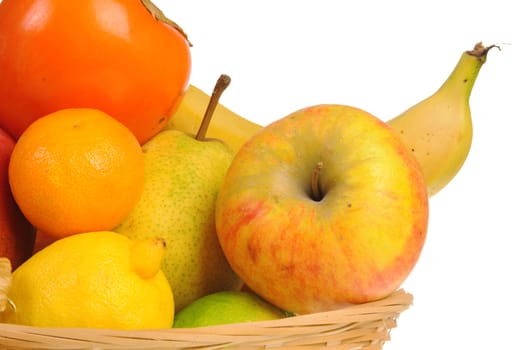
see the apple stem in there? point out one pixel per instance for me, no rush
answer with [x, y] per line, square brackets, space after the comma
[222, 83]
[315, 186]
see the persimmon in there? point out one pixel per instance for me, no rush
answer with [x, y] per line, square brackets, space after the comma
[122, 57]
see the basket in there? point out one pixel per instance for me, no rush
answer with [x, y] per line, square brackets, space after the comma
[359, 327]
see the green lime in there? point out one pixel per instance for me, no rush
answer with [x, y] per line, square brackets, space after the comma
[226, 307]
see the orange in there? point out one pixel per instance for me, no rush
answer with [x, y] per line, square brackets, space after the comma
[76, 170]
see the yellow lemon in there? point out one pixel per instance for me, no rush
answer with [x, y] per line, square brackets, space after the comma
[93, 280]
[226, 307]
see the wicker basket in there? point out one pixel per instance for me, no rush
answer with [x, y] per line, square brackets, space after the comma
[361, 327]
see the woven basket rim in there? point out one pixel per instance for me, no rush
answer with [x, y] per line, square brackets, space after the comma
[355, 327]
[359, 326]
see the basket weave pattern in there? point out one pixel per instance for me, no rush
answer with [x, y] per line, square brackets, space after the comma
[361, 327]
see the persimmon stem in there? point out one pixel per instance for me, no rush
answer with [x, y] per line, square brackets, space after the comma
[160, 16]
[315, 185]
[222, 83]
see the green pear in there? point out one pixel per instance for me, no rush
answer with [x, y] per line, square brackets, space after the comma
[183, 177]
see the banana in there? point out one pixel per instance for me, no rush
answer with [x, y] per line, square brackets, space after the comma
[225, 125]
[438, 129]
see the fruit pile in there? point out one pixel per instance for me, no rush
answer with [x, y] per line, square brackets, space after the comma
[131, 199]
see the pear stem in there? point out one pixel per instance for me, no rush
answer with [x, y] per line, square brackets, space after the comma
[160, 16]
[222, 84]
[315, 185]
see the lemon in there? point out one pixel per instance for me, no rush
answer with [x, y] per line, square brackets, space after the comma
[93, 280]
[226, 307]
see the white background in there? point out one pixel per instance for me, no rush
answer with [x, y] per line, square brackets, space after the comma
[384, 56]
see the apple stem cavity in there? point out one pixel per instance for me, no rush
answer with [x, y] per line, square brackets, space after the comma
[315, 185]
[222, 84]
[160, 16]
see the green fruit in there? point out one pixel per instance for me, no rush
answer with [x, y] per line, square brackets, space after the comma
[225, 308]
[183, 177]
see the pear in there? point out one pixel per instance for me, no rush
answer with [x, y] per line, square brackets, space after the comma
[183, 176]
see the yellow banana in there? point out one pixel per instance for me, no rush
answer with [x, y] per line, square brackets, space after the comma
[438, 129]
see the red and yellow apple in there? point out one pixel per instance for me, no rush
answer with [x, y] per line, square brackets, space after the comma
[42, 240]
[17, 235]
[323, 208]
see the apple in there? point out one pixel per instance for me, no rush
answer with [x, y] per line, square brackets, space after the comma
[17, 235]
[323, 208]
[42, 240]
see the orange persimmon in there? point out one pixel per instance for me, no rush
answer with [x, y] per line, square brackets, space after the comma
[111, 55]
